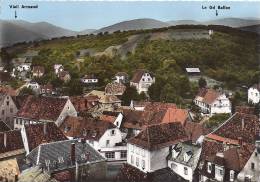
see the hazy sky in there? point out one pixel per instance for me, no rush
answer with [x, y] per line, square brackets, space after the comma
[85, 15]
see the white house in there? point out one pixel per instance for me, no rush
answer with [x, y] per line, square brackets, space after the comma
[104, 136]
[89, 79]
[121, 77]
[212, 102]
[44, 109]
[148, 150]
[34, 86]
[142, 80]
[251, 171]
[254, 94]
[24, 67]
[58, 68]
[183, 160]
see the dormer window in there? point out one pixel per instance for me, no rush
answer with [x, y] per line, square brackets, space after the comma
[60, 159]
[209, 167]
[175, 152]
[187, 156]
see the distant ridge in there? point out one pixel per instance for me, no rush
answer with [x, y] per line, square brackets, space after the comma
[136, 24]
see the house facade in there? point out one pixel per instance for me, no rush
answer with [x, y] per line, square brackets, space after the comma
[121, 77]
[44, 109]
[148, 150]
[212, 102]
[254, 94]
[142, 80]
[8, 109]
[103, 136]
[89, 79]
[183, 160]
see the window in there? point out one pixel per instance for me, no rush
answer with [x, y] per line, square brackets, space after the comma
[255, 154]
[113, 132]
[137, 162]
[60, 159]
[132, 159]
[11, 110]
[220, 172]
[209, 167]
[107, 142]
[143, 164]
[185, 170]
[231, 175]
[252, 166]
[123, 154]
[173, 166]
[3, 112]
[110, 155]
[7, 103]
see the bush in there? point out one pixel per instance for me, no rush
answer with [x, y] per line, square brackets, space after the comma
[216, 120]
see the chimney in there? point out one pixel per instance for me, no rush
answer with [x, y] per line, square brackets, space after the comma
[5, 139]
[45, 128]
[243, 123]
[72, 153]
[240, 141]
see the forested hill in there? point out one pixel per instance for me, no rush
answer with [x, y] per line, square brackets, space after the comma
[228, 55]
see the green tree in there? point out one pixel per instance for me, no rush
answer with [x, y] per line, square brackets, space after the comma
[202, 82]
[26, 91]
[130, 94]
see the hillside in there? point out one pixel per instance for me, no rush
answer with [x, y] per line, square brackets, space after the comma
[252, 28]
[233, 22]
[20, 31]
[137, 24]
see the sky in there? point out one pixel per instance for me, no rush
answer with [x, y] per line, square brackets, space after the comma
[80, 15]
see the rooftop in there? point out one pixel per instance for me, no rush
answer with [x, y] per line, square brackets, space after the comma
[207, 96]
[138, 75]
[60, 155]
[10, 141]
[155, 137]
[43, 133]
[42, 108]
[87, 128]
[115, 89]
[9, 169]
[103, 98]
[241, 125]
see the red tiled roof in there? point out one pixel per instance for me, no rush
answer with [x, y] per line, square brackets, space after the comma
[154, 113]
[208, 95]
[155, 137]
[13, 141]
[8, 90]
[42, 108]
[108, 118]
[87, 128]
[241, 125]
[115, 88]
[138, 75]
[195, 130]
[222, 139]
[36, 136]
[83, 104]
[235, 157]
[175, 115]
[245, 109]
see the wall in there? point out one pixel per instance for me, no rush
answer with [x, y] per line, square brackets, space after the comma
[253, 95]
[113, 139]
[154, 160]
[179, 169]
[68, 110]
[9, 109]
[221, 105]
